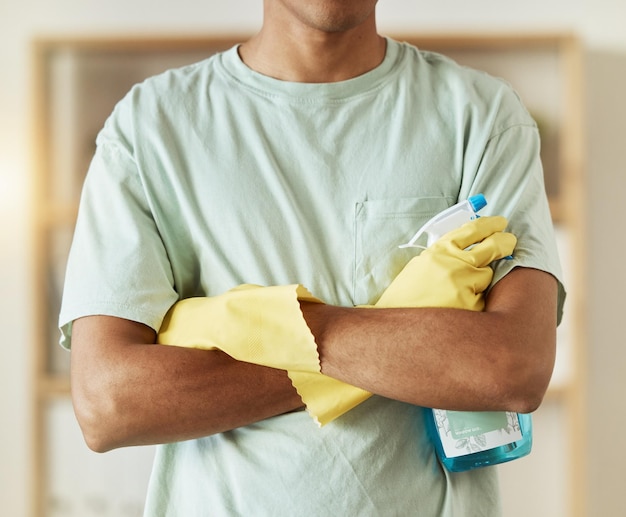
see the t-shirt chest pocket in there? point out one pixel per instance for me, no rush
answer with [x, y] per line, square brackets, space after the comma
[381, 226]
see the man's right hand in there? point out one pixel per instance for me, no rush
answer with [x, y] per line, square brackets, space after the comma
[454, 272]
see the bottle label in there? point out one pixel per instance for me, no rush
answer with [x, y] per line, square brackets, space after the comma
[464, 432]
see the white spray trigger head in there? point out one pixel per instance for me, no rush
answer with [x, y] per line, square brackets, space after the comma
[447, 220]
[420, 232]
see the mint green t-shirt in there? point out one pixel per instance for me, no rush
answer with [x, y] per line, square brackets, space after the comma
[212, 175]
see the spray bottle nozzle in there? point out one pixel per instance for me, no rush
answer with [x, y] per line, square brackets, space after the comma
[448, 220]
[477, 202]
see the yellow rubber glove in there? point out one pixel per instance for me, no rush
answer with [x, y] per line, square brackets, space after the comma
[448, 274]
[260, 325]
[445, 275]
[265, 326]
[326, 398]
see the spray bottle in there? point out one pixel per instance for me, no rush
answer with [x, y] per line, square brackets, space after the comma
[467, 440]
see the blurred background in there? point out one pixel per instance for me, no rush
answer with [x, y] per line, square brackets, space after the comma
[576, 469]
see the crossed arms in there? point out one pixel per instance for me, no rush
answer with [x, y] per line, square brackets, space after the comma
[128, 391]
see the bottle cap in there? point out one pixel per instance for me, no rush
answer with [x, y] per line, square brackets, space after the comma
[477, 202]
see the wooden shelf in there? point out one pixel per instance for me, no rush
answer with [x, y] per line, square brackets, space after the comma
[53, 386]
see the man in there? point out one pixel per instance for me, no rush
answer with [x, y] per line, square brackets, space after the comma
[305, 155]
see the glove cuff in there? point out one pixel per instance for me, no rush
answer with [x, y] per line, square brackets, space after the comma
[325, 398]
[261, 325]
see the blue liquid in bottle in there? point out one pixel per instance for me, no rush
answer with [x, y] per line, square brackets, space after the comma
[474, 450]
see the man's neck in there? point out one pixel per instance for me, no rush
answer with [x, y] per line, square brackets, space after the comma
[298, 52]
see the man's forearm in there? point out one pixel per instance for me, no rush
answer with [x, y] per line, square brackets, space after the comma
[500, 359]
[127, 391]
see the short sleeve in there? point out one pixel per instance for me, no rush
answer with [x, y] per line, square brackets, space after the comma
[117, 264]
[511, 176]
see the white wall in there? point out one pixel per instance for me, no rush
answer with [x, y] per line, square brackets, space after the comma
[599, 22]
